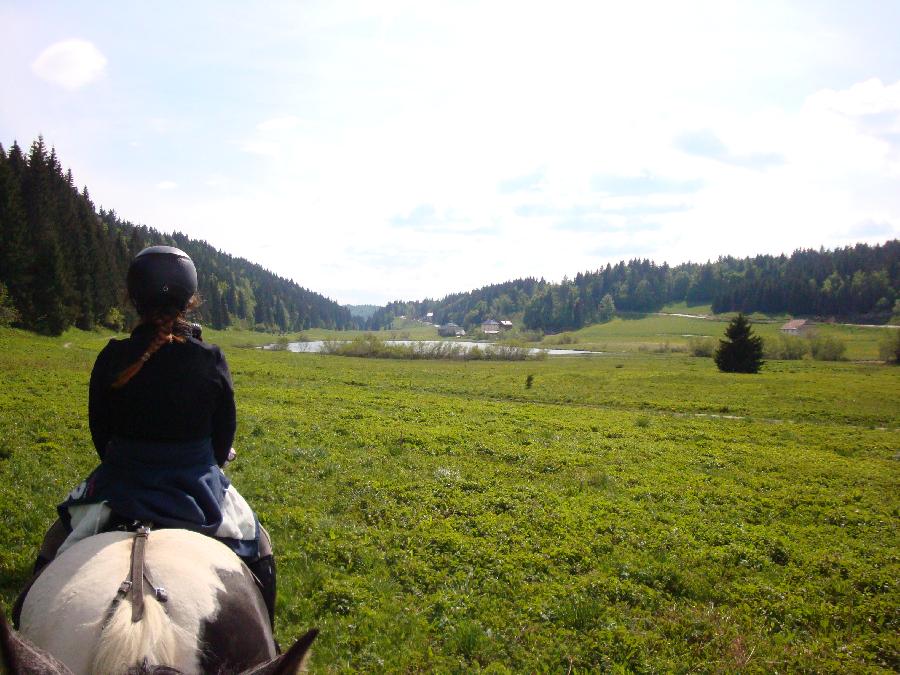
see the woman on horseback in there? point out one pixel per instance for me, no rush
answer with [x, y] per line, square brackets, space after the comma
[162, 418]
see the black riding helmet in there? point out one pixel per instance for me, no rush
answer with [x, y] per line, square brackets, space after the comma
[161, 277]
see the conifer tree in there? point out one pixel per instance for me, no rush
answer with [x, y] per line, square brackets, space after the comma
[15, 245]
[741, 351]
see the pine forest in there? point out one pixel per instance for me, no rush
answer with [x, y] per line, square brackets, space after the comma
[63, 263]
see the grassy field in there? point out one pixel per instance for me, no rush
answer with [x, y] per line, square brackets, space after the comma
[632, 512]
[656, 332]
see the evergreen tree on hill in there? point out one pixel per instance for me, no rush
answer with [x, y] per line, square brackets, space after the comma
[741, 351]
[63, 264]
[15, 244]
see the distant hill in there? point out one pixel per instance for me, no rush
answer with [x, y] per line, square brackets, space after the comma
[856, 283]
[362, 311]
[62, 263]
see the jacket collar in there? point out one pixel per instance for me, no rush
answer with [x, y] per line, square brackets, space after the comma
[143, 330]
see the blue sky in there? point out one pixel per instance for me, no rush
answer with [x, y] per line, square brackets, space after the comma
[375, 151]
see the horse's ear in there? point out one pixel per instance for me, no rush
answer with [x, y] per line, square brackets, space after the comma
[19, 657]
[291, 662]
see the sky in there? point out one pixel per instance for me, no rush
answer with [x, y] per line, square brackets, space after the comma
[374, 151]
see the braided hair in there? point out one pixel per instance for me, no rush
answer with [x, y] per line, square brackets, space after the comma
[170, 327]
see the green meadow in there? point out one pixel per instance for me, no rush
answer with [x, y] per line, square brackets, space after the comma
[630, 512]
[661, 333]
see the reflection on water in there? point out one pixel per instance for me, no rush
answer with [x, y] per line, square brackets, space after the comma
[314, 346]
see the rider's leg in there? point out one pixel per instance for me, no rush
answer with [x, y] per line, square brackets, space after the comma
[264, 569]
[54, 538]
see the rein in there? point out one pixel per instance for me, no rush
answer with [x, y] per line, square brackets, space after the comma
[134, 584]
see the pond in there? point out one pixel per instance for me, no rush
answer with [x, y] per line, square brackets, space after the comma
[314, 346]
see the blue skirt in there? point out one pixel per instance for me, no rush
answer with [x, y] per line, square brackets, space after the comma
[171, 485]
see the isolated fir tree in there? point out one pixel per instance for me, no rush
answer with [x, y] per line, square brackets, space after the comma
[741, 351]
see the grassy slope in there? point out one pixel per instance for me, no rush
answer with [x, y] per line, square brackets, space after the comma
[442, 516]
[651, 331]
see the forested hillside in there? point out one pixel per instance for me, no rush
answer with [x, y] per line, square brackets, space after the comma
[62, 263]
[466, 309]
[861, 282]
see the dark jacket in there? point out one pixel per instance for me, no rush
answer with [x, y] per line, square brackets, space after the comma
[182, 393]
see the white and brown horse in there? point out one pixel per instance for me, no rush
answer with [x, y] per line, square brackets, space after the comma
[214, 620]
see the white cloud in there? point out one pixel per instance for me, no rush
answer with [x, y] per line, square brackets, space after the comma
[166, 185]
[864, 98]
[70, 64]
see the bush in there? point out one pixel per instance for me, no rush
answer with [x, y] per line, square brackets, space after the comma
[785, 348]
[661, 348]
[281, 344]
[8, 312]
[826, 348]
[889, 348]
[528, 335]
[701, 346]
[508, 351]
[560, 339]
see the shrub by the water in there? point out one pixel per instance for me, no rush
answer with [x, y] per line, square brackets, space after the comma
[281, 344]
[662, 348]
[560, 339]
[741, 351]
[786, 348]
[889, 348]
[372, 346]
[826, 348]
[701, 346]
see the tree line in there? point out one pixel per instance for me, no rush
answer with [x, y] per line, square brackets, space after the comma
[63, 263]
[860, 282]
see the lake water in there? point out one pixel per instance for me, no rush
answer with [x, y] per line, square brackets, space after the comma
[314, 346]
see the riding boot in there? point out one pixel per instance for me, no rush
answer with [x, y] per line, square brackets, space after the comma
[264, 570]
